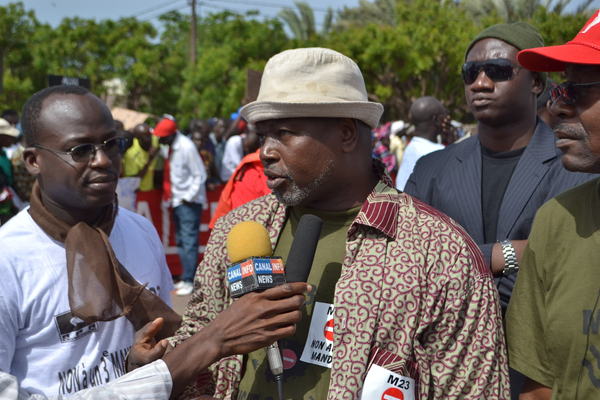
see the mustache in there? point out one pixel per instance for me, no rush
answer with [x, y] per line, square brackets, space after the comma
[575, 130]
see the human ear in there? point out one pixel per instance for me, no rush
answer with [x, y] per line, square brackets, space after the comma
[538, 83]
[31, 162]
[349, 132]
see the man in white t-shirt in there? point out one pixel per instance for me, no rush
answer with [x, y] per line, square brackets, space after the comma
[427, 115]
[73, 265]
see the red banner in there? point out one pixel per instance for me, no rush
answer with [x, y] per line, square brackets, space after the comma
[149, 206]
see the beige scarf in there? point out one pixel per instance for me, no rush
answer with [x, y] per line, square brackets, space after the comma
[100, 288]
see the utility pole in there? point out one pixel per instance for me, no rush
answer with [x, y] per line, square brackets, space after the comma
[193, 33]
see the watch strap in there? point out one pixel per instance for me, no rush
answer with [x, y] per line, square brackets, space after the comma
[511, 265]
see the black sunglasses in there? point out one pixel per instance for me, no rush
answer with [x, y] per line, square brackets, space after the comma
[568, 91]
[497, 69]
[85, 152]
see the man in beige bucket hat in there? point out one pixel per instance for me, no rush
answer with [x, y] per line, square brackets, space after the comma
[403, 305]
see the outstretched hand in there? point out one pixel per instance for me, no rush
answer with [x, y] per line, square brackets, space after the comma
[254, 321]
[146, 349]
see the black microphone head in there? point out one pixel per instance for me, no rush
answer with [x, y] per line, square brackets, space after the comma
[302, 252]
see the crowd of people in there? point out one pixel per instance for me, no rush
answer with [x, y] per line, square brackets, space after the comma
[451, 263]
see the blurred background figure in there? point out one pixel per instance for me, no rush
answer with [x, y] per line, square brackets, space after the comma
[430, 120]
[248, 181]
[381, 147]
[200, 134]
[139, 161]
[543, 104]
[184, 179]
[8, 137]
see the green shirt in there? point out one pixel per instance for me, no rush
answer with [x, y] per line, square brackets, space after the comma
[302, 380]
[553, 319]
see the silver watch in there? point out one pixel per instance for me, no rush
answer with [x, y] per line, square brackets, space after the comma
[511, 265]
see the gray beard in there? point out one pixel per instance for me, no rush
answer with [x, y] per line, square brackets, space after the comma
[295, 195]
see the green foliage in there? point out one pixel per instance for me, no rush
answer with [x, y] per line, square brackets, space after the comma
[379, 12]
[229, 44]
[16, 27]
[405, 48]
[519, 10]
[420, 56]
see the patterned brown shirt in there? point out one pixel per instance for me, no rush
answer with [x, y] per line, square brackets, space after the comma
[414, 296]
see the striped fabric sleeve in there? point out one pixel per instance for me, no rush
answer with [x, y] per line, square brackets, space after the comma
[150, 382]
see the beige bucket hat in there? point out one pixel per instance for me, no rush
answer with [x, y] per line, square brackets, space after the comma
[312, 82]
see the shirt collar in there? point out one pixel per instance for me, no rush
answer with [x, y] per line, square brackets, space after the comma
[177, 142]
[380, 210]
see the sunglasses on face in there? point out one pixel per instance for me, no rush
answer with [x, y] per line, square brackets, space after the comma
[497, 69]
[83, 153]
[569, 91]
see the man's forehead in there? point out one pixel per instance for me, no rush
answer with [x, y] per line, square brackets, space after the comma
[74, 107]
[490, 48]
[62, 114]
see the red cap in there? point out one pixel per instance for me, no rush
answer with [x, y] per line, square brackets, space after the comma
[583, 49]
[165, 127]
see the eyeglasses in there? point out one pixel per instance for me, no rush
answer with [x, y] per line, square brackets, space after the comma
[497, 69]
[85, 152]
[568, 91]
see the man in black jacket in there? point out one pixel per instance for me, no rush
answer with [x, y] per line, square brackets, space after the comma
[494, 182]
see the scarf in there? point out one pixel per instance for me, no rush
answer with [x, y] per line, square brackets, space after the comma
[100, 288]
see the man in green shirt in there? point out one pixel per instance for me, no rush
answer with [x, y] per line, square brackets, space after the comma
[553, 322]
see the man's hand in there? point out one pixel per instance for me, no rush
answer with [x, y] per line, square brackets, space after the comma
[533, 390]
[257, 320]
[146, 349]
[252, 322]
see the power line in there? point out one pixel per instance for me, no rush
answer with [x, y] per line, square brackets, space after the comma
[263, 4]
[154, 8]
[164, 12]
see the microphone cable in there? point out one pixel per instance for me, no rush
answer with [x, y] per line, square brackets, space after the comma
[276, 366]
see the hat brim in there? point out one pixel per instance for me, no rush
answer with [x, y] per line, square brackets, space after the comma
[366, 111]
[10, 131]
[555, 58]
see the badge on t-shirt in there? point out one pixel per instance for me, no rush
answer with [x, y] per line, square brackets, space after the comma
[319, 342]
[71, 328]
[382, 384]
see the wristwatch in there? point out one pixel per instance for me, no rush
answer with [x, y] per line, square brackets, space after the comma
[511, 265]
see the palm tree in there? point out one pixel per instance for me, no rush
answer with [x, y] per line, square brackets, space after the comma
[515, 10]
[301, 21]
[381, 12]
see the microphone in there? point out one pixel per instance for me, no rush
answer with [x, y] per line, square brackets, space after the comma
[253, 267]
[302, 252]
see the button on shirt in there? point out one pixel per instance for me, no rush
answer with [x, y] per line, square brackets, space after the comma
[187, 173]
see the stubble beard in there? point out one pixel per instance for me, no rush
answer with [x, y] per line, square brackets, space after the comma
[296, 195]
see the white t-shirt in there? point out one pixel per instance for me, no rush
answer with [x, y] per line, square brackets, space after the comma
[417, 148]
[187, 173]
[41, 343]
[234, 152]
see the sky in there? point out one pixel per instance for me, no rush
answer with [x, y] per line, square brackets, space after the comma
[53, 11]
